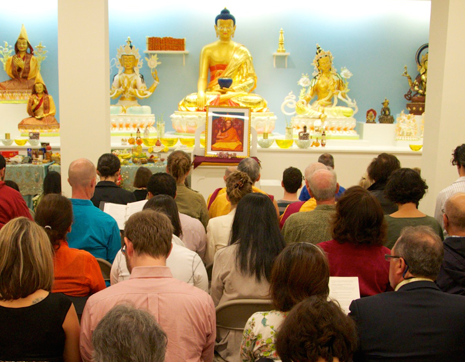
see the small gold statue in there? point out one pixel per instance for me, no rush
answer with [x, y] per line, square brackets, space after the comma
[371, 116]
[417, 91]
[385, 115]
[281, 42]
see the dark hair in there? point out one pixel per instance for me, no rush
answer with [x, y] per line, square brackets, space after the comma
[238, 184]
[225, 15]
[12, 184]
[52, 183]
[55, 214]
[458, 156]
[2, 162]
[292, 179]
[422, 250]
[142, 177]
[178, 164]
[162, 183]
[256, 231]
[300, 271]
[166, 205]
[404, 186]
[108, 164]
[359, 218]
[327, 159]
[316, 328]
[382, 166]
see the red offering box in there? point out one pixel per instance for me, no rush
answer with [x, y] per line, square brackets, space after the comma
[9, 154]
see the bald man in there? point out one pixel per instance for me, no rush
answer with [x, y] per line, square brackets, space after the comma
[451, 278]
[92, 229]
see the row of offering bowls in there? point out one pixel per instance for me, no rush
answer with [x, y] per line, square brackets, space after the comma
[20, 142]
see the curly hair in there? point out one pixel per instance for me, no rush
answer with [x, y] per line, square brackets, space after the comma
[359, 218]
[238, 184]
[179, 164]
[382, 166]
[404, 186]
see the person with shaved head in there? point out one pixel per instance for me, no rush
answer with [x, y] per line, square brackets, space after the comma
[92, 229]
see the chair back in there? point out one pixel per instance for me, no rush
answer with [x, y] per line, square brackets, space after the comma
[105, 268]
[233, 315]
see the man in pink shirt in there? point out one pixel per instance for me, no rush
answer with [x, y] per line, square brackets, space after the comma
[186, 313]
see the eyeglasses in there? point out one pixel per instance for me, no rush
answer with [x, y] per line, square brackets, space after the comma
[388, 257]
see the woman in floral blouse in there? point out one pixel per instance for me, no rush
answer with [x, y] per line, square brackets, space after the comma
[300, 271]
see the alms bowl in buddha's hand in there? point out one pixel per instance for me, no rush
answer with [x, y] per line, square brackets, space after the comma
[225, 82]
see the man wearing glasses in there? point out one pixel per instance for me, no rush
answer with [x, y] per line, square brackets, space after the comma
[417, 322]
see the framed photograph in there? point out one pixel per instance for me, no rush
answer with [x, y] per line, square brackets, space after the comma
[227, 130]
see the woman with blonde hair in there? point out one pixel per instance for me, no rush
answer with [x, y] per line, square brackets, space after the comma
[189, 202]
[36, 324]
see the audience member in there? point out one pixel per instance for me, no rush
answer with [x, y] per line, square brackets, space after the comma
[220, 204]
[314, 226]
[243, 269]
[326, 159]
[365, 181]
[193, 233]
[458, 160]
[238, 184]
[406, 188]
[189, 202]
[76, 272]
[141, 179]
[451, 278]
[316, 330]
[357, 250]
[12, 184]
[109, 169]
[36, 324]
[379, 171]
[300, 271]
[186, 313]
[291, 183]
[228, 170]
[51, 185]
[12, 203]
[127, 334]
[302, 205]
[185, 264]
[417, 322]
[93, 230]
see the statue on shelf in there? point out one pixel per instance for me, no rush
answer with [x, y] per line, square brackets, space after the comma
[41, 110]
[417, 91]
[225, 59]
[385, 115]
[371, 116]
[22, 68]
[129, 84]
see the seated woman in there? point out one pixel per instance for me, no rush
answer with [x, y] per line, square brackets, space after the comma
[51, 185]
[243, 269]
[359, 232]
[109, 168]
[189, 202]
[300, 271]
[141, 179]
[406, 188]
[77, 272]
[238, 184]
[317, 330]
[36, 324]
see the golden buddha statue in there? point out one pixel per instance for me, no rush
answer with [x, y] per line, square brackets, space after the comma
[41, 109]
[22, 68]
[225, 59]
[417, 88]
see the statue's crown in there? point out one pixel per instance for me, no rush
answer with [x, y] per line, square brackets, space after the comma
[320, 53]
[128, 49]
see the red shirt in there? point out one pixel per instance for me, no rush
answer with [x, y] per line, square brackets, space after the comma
[12, 205]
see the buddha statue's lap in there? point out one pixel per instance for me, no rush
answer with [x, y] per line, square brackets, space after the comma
[251, 100]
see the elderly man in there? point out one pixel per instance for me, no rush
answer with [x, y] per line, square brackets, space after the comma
[417, 322]
[451, 278]
[146, 342]
[314, 226]
[12, 204]
[186, 314]
[92, 229]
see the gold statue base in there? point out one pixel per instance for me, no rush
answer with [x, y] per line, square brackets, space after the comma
[416, 108]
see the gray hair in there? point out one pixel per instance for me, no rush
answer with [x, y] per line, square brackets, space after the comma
[312, 168]
[127, 334]
[422, 250]
[251, 167]
[454, 208]
[323, 184]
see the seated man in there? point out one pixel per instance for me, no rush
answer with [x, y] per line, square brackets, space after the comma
[291, 182]
[186, 314]
[92, 229]
[417, 322]
[314, 226]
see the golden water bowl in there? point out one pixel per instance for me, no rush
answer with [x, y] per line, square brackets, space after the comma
[20, 142]
[188, 142]
[169, 141]
[149, 142]
[284, 144]
[416, 148]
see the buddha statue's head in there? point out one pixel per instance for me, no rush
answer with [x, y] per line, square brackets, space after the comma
[128, 57]
[128, 61]
[323, 60]
[225, 25]
[39, 86]
[22, 44]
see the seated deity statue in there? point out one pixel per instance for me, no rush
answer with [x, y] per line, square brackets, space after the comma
[129, 84]
[417, 87]
[22, 68]
[227, 138]
[385, 114]
[328, 87]
[225, 59]
[41, 109]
